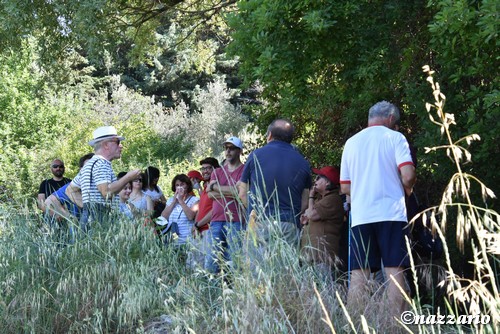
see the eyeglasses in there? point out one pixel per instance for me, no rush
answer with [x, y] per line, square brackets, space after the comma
[57, 166]
[116, 141]
[230, 148]
[206, 168]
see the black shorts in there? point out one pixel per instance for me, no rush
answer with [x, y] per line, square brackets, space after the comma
[373, 243]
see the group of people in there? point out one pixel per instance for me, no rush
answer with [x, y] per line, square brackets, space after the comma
[272, 192]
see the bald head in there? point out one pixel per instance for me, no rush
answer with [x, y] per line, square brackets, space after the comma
[57, 169]
[282, 130]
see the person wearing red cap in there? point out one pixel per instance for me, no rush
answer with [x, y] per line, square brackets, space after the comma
[323, 219]
[195, 178]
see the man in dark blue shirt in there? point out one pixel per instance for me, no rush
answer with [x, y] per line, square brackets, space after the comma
[276, 181]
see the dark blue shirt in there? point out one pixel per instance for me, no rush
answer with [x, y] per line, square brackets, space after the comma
[277, 174]
[66, 201]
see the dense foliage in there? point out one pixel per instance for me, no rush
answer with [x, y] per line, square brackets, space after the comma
[323, 64]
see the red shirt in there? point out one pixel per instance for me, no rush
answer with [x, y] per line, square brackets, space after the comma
[204, 207]
[227, 209]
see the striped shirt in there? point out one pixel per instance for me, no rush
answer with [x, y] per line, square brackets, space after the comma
[178, 216]
[101, 171]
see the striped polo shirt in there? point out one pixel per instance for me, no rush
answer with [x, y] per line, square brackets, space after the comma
[96, 171]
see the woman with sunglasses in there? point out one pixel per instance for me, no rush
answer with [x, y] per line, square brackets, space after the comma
[139, 201]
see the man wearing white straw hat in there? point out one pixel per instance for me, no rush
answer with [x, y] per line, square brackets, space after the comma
[97, 180]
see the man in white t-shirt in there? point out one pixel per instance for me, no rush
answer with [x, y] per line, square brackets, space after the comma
[376, 171]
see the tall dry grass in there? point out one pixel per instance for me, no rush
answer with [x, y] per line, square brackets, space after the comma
[118, 280]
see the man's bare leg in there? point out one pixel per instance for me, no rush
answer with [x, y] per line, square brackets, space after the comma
[396, 289]
[358, 294]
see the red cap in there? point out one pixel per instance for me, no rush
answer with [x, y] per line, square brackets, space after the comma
[331, 173]
[194, 174]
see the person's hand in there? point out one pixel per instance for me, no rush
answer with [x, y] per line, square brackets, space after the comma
[195, 232]
[179, 194]
[209, 186]
[133, 174]
[304, 220]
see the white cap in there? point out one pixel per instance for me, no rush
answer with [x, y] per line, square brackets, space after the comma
[235, 141]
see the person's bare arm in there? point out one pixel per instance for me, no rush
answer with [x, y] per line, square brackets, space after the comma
[217, 191]
[345, 188]
[205, 220]
[149, 204]
[55, 208]
[243, 193]
[304, 203]
[108, 190]
[41, 201]
[408, 178]
[74, 194]
[190, 212]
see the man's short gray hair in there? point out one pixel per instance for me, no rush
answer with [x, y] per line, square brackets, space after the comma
[97, 146]
[384, 109]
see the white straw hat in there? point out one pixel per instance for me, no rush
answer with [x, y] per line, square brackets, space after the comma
[104, 133]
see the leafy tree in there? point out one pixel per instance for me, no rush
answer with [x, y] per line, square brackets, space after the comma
[323, 64]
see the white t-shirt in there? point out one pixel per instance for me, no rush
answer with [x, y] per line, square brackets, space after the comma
[155, 195]
[370, 164]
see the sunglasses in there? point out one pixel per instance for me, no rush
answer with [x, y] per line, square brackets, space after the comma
[230, 148]
[116, 141]
[57, 166]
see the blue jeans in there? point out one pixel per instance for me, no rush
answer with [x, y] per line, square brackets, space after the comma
[225, 242]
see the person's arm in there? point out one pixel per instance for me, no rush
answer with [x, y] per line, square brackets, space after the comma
[205, 220]
[41, 201]
[309, 212]
[305, 200]
[149, 203]
[408, 177]
[243, 193]
[345, 188]
[55, 208]
[74, 193]
[215, 190]
[169, 208]
[108, 190]
[190, 212]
